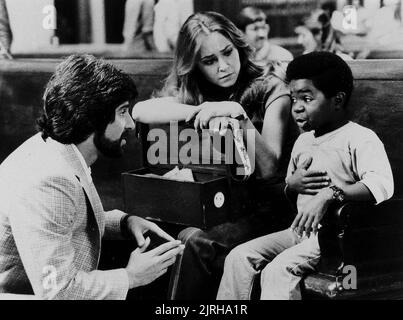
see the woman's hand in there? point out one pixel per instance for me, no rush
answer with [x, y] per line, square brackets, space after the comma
[219, 125]
[306, 181]
[211, 110]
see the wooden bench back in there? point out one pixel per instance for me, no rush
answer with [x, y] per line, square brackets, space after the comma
[376, 103]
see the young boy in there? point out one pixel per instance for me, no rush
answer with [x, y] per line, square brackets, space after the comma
[356, 165]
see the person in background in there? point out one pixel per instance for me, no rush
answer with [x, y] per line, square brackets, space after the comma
[385, 27]
[315, 33]
[253, 23]
[6, 35]
[138, 26]
[329, 7]
[169, 17]
[360, 26]
[51, 217]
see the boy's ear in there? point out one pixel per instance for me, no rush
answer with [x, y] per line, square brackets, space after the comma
[340, 99]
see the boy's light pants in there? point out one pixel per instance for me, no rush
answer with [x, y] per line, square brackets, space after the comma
[283, 258]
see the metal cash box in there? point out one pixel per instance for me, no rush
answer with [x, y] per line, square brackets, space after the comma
[208, 201]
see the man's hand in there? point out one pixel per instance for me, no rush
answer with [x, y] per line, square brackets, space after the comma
[309, 217]
[144, 267]
[138, 226]
[306, 181]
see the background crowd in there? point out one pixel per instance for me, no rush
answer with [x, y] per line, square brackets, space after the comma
[350, 28]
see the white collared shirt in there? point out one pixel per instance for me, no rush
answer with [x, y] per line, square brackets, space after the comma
[86, 168]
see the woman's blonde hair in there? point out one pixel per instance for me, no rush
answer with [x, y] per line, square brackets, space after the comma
[185, 81]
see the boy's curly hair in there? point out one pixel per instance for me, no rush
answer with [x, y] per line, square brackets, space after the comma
[328, 72]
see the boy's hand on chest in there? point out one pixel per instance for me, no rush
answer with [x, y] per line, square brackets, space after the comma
[305, 181]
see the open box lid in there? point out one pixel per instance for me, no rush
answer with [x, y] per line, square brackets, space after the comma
[178, 144]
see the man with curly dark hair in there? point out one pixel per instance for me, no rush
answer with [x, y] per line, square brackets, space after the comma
[51, 217]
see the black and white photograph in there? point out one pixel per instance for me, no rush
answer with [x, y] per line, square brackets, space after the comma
[198, 158]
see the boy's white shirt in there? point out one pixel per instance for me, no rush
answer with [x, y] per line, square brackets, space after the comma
[348, 154]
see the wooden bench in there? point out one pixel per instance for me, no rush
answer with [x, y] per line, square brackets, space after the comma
[106, 51]
[369, 238]
[351, 43]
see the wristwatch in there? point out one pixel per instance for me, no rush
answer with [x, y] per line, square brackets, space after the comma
[338, 194]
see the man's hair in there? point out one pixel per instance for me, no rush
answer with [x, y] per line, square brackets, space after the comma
[81, 98]
[249, 15]
[328, 72]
